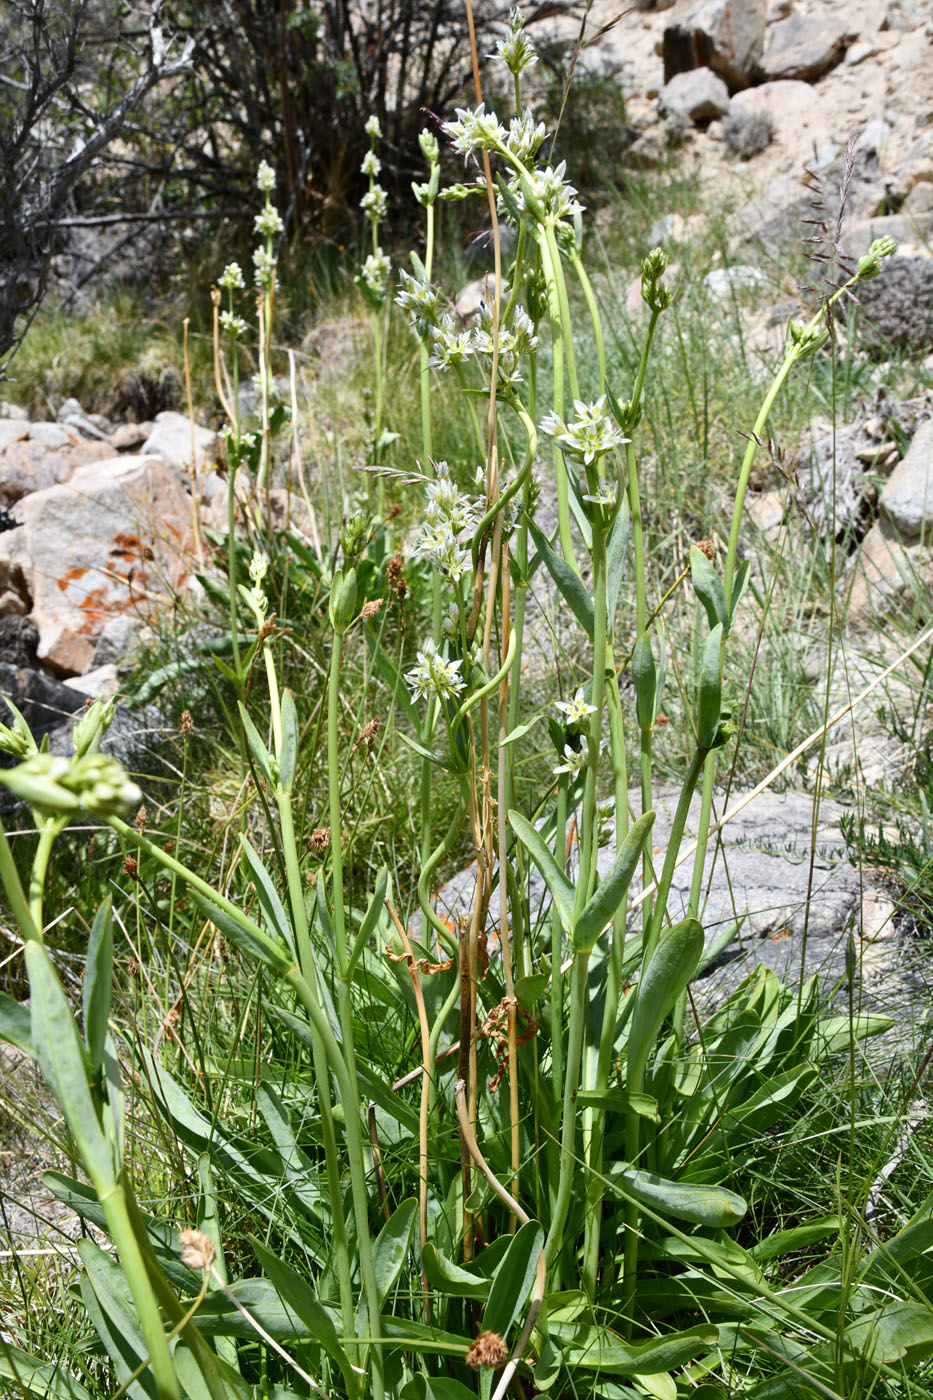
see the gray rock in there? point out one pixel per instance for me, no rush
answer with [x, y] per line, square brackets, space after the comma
[13, 410]
[70, 409]
[646, 152]
[725, 35]
[804, 46]
[747, 133]
[897, 307]
[726, 282]
[12, 430]
[907, 498]
[44, 701]
[116, 642]
[760, 878]
[99, 683]
[699, 95]
[173, 439]
[51, 435]
[31, 466]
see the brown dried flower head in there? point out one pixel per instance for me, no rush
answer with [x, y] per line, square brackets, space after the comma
[368, 734]
[142, 817]
[130, 867]
[197, 1249]
[489, 1351]
[319, 840]
[371, 608]
[267, 628]
[187, 723]
[708, 548]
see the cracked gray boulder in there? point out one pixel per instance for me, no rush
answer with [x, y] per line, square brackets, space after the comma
[725, 35]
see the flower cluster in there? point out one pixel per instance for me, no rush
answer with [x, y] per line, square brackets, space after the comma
[375, 273]
[371, 165]
[234, 325]
[576, 710]
[525, 137]
[373, 278]
[544, 194]
[231, 279]
[447, 514]
[515, 50]
[269, 225]
[435, 675]
[574, 759]
[374, 203]
[589, 435]
[515, 341]
[475, 129]
[421, 301]
[451, 345]
[255, 597]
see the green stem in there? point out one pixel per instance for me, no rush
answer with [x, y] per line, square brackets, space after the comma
[576, 263]
[49, 832]
[9, 877]
[120, 1229]
[589, 846]
[557, 339]
[568, 1157]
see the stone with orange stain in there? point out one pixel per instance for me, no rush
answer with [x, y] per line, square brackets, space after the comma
[112, 540]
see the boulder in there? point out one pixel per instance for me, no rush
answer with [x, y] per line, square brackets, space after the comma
[699, 95]
[12, 430]
[43, 700]
[27, 466]
[52, 434]
[110, 541]
[725, 35]
[13, 410]
[897, 306]
[907, 498]
[171, 439]
[804, 46]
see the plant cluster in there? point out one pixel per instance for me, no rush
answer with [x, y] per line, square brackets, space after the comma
[503, 1153]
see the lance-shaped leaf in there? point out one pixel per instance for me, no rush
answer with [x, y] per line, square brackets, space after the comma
[708, 587]
[16, 1025]
[374, 912]
[245, 934]
[447, 1277]
[709, 691]
[671, 967]
[600, 908]
[98, 983]
[569, 583]
[288, 758]
[259, 750]
[560, 887]
[513, 1279]
[698, 1203]
[301, 1297]
[661, 1354]
[391, 1247]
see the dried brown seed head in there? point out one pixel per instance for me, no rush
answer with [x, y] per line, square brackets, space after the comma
[371, 608]
[319, 840]
[142, 817]
[130, 868]
[708, 548]
[368, 734]
[489, 1351]
[197, 1249]
[186, 724]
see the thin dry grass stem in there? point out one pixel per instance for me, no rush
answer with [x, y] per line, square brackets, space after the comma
[299, 463]
[537, 1297]
[192, 461]
[425, 1094]
[504, 929]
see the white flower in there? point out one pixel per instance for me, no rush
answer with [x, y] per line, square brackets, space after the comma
[263, 269]
[515, 50]
[372, 128]
[590, 434]
[438, 543]
[269, 222]
[371, 164]
[235, 326]
[525, 138]
[420, 300]
[450, 345]
[576, 710]
[476, 130]
[574, 759]
[231, 279]
[435, 675]
[374, 203]
[376, 271]
[605, 495]
[265, 177]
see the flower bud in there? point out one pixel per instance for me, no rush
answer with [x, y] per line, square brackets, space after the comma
[355, 536]
[91, 728]
[869, 265]
[342, 605]
[430, 146]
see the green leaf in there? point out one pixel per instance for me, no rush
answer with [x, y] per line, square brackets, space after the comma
[107, 1299]
[269, 902]
[708, 587]
[645, 680]
[600, 908]
[43, 1379]
[245, 934]
[701, 1205]
[661, 1354]
[709, 690]
[671, 967]
[616, 558]
[513, 1279]
[61, 1059]
[529, 988]
[739, 580]
[555, 879]
[98, 984]
[447, 1277]
[391, 1247]
[259, 750]
[520, 730]
[617, 1101]
[793, 1240]
[300, 1296]
[833, 1032]
[288, 758]
[16, 1025]
[374, 912]
[895, 1332]
[569, 583]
